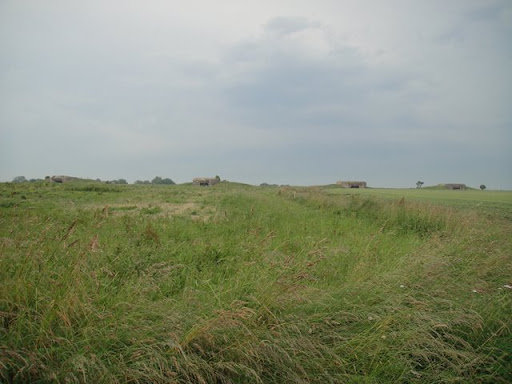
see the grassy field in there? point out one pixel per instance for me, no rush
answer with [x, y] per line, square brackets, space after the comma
[238, 284]
[499, 202]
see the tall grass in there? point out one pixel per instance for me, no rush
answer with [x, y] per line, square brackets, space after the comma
[257, 286]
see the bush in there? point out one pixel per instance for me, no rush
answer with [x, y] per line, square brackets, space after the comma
[159, 180]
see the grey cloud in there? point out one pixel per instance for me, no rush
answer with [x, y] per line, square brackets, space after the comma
[286, 25]
[292, 91]
[489, 11]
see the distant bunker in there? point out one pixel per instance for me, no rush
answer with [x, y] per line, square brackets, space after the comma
[61, 179]
[352, 184]
[205, 181]
[458, 187]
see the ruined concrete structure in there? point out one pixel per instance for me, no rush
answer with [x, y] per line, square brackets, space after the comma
[352, 184]
[205, 181]
[455, 186]
[60, 178]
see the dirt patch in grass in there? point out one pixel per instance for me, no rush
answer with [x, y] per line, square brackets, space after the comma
[192, 209]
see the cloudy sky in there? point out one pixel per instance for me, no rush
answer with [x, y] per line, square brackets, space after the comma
[277, 91]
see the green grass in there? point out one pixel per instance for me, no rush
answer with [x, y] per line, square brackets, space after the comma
[239, 284]
[499, 202]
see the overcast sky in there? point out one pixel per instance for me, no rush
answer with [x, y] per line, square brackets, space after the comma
[277, 91]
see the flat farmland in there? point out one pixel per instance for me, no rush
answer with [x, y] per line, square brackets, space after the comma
[498, 201]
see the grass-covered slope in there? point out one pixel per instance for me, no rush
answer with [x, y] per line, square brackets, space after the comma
[235, 284]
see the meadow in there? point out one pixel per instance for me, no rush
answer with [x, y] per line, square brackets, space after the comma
[239, 284]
